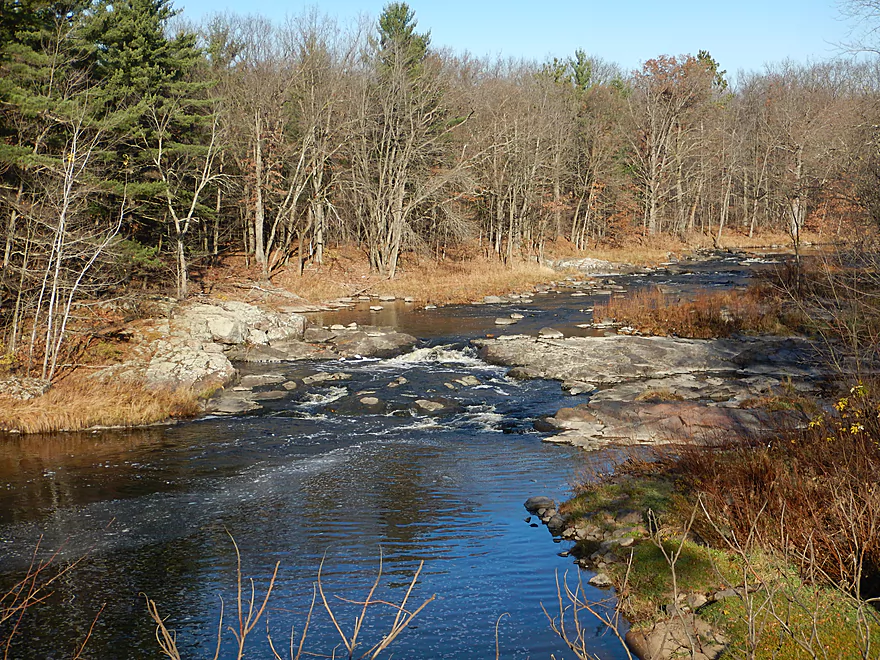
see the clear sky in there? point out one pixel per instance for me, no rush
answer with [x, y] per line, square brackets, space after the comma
[740, 34]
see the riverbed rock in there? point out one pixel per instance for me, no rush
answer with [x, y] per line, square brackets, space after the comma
[657, 389]
[601, 580]
[231, 322]
[317, 334]
[325, 377]
[588, 265]
[283, 351]
[231, 402]
[425, 405]
[556, 524]
[534, 504]
[371, 341]
[502, 320]
[255, 380]
[683, 635]
[188, 363]
[550, 333]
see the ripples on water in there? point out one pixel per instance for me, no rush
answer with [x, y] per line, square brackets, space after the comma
[295, 484]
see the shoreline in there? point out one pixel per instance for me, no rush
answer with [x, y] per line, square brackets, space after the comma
[76, 390]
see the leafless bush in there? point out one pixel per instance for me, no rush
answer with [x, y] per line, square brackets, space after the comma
[250, 609]
[34, 588]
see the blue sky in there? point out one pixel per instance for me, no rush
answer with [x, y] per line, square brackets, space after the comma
[744, 34]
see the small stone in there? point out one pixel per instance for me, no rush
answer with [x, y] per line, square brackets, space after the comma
[468, 381]
[601, 580]
[324, 377]
[429, 406]
[504, 321]
[696, 601]
[289, 385]
[387, 298]
[550, 333]
[534, 504]
[430, 306]
[376, 308]
[517, 316]
[724, 593]
[370, 401]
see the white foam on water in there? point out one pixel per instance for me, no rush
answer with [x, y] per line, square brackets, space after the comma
[417, 424]
[758, 260]
[326, 395]
[439, 355]
[485, 417]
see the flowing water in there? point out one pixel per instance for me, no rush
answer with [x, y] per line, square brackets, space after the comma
[314, 478]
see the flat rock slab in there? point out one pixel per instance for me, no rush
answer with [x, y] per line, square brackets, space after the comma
[281, 352]
[371, 342]
[624, 422]
[657, 390]
[619, 359]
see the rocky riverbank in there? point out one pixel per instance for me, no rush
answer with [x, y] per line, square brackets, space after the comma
[610, 536]
[653, 390]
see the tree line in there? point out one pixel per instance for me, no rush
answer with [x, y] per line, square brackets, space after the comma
[130, 140]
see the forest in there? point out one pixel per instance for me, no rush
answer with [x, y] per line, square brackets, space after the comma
[135, 147]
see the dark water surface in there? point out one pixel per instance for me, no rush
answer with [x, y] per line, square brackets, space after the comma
[312, 477]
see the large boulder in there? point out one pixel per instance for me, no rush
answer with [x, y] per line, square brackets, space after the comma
[23, 388]
[233, 323]
[372, 342]
[188, 363]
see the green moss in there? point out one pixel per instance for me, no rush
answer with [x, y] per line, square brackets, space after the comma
[793, 619]
[649, 492]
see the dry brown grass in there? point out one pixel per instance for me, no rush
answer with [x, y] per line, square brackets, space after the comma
[78, 403]
[464, 276]
[712, 314]
[446, 282]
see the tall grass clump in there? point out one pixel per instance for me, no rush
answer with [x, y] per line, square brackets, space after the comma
[78, 403]
[757, 310]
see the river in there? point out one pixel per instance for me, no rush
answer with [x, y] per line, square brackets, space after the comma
[309, 478]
